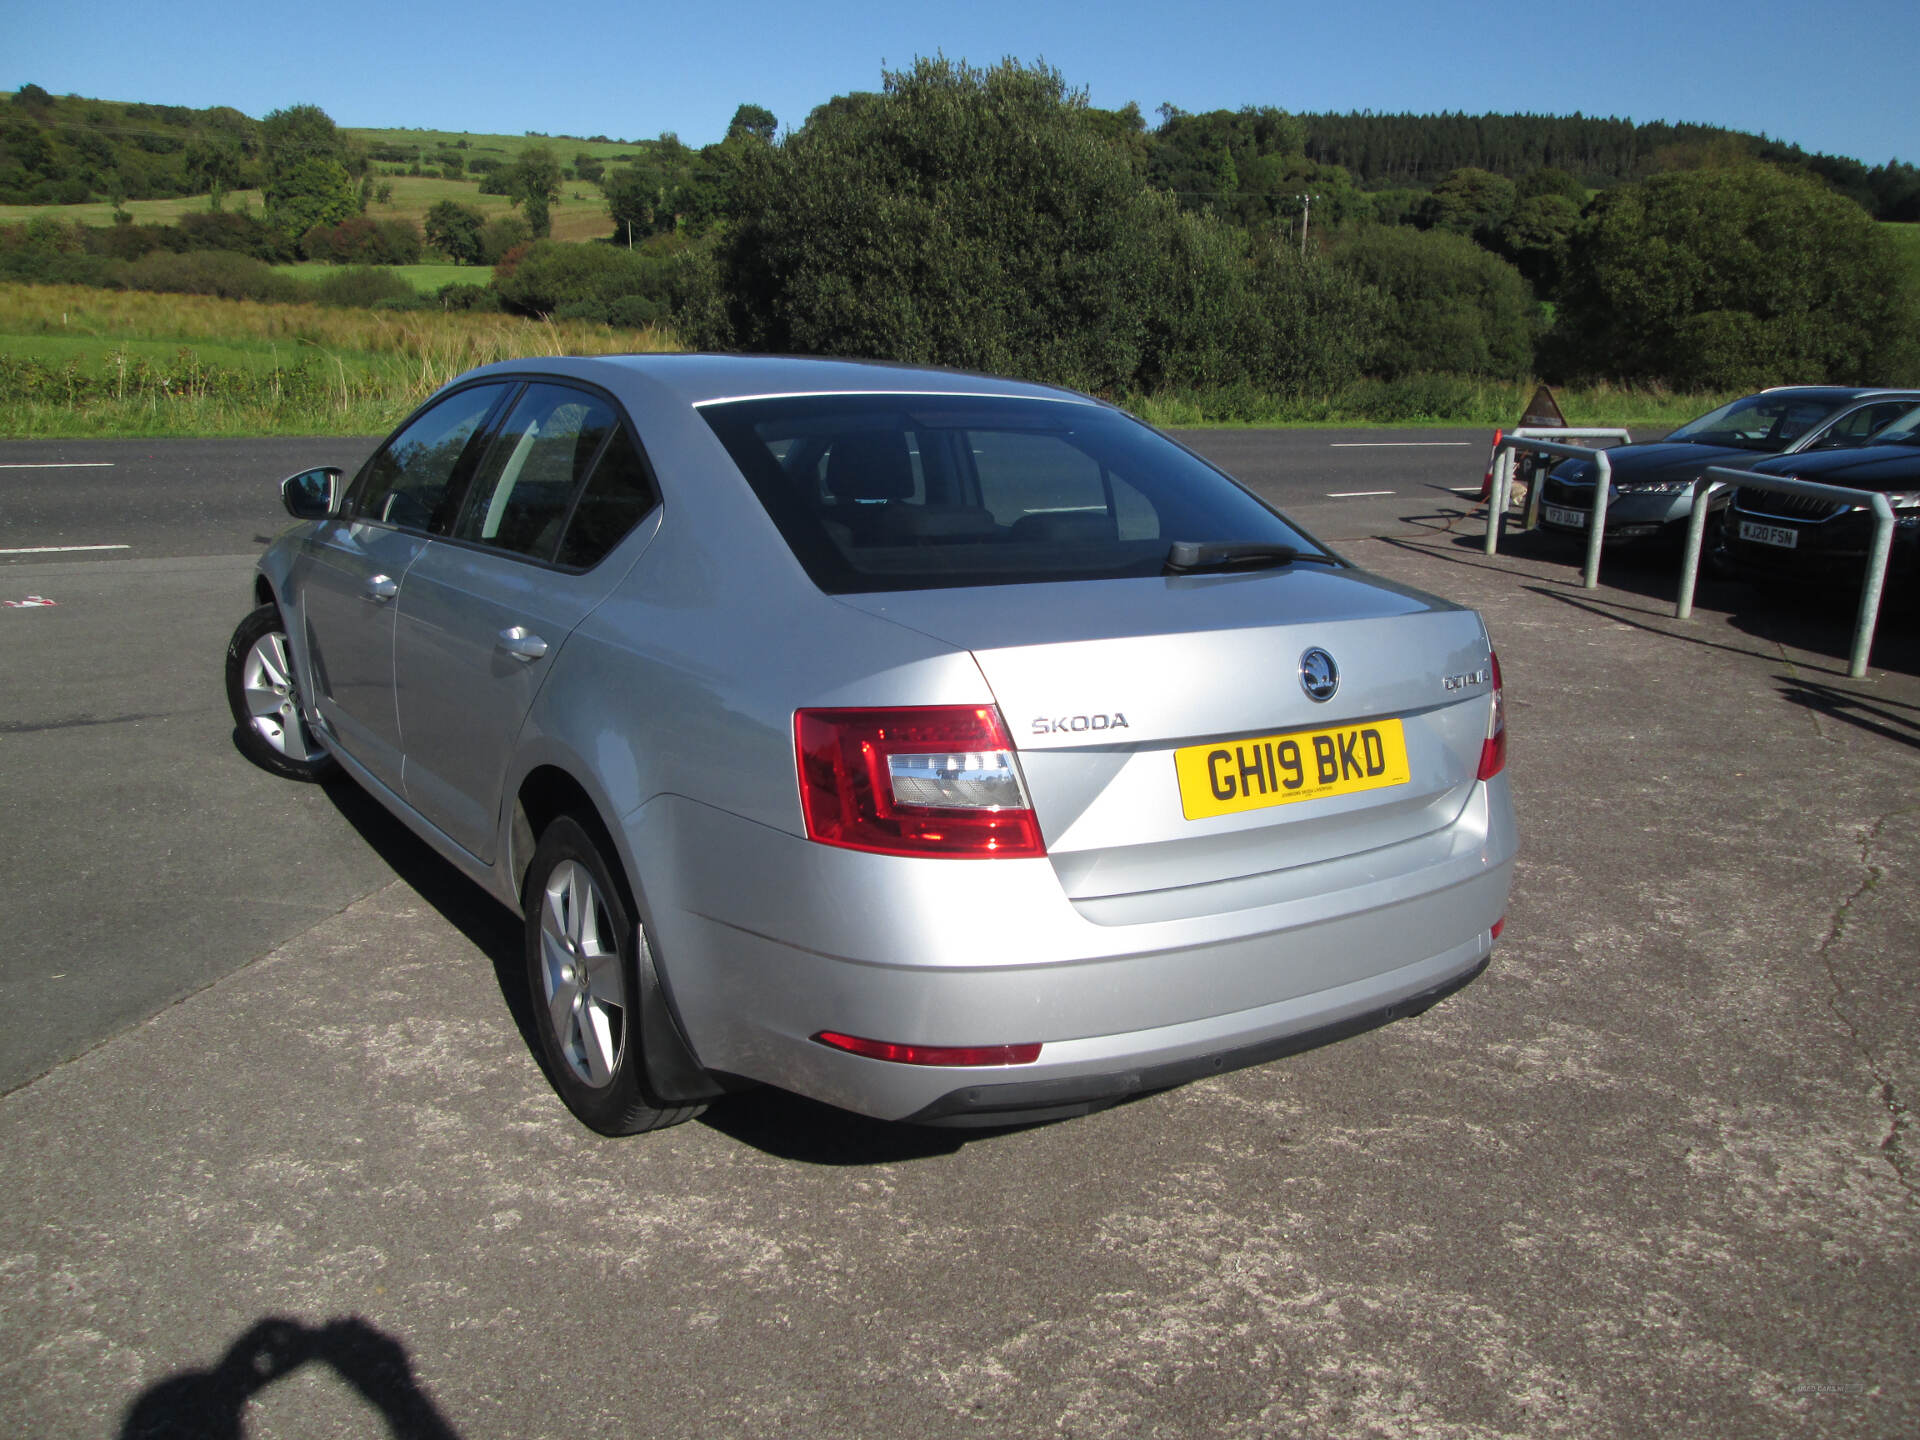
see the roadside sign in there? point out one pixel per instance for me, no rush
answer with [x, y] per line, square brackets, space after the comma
[1542, 410]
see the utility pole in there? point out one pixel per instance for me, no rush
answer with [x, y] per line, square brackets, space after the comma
[1306, 213]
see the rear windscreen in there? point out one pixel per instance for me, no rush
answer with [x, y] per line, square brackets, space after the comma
[915, 492]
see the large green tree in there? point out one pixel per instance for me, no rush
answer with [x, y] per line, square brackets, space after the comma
[454, 230]
[991, 219]
[1450, 306]
[310, 171]
[533, 183]
[1735, 278]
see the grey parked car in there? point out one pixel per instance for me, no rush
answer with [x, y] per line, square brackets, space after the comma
[946, 748]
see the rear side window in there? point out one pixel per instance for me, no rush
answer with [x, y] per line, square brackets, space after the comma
[542, 453]
[415, 480]
[562, 480]
[1856, 426]
[619, 493]
[911, 492]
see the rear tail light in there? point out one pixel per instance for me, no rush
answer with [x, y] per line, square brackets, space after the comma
[931, 1054]
[1493, 751]
[914, 780]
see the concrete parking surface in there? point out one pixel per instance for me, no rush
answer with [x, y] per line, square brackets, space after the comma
[1652, 1175]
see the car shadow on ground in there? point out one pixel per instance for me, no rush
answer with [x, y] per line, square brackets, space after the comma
[210, 1404]
[792, 1127]
[493, 929]
[783, 1125]
[1640, 585]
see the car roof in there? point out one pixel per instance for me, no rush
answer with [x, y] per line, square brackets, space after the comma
[703, 379]
[1838, 392]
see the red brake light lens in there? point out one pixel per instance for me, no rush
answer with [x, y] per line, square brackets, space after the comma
[931, 1054]
[914, 780]
[1493, 752]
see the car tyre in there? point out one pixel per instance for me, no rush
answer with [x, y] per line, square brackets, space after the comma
[582, 942]
[263, 692]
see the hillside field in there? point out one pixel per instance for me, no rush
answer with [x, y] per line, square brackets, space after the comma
[579, 214]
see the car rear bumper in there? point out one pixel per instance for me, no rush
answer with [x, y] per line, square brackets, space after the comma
[759, 959]
[1028, 1101]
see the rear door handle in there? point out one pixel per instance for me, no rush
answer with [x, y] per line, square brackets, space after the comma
[522, 644]
[380, 589]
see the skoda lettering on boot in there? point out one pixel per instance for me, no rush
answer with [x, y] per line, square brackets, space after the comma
[1062, 724]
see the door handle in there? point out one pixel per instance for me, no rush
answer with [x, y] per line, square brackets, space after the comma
[380, 589]
[522, 644]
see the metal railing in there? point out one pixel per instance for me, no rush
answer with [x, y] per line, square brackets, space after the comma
[1717, 478]
[1527, 439]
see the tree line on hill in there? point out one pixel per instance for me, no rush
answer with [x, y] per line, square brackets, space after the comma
[993, 219]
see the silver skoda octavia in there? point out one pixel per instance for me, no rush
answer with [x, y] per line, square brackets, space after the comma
[947, 748]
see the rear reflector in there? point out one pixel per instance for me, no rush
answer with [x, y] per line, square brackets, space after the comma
[931, 1054]
[1493, 751]
[914, 780]
[1498, 926]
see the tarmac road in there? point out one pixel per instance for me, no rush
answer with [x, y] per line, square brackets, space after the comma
[1652, 1175]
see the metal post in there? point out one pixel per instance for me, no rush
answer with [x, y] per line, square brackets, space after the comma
[1704, 489]
[1596, 533]
[1497, 497]
[1876, 582]
[1872, 588]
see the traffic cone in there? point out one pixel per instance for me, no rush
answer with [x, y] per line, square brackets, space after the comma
[1486, 485]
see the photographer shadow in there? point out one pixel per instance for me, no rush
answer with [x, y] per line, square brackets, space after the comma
[209, 1404]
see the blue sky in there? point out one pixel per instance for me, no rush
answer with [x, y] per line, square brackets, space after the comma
[1836, 78]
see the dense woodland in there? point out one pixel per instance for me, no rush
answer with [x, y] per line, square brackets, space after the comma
[994, 219]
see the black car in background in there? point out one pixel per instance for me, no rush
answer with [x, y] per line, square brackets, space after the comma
[1652, 494]
[1768, 535]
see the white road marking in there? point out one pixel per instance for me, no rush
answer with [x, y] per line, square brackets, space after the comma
[1398, 444]
[61, 465]
[1353, 494]
[60, 549]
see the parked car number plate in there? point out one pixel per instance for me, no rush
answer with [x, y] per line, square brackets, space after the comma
[1782, 535]
[1236, 775]
[1560, 515]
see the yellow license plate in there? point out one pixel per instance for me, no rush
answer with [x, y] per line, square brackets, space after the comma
[1237, 775]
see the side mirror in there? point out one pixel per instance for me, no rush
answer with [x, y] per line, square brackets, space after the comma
[312, 494]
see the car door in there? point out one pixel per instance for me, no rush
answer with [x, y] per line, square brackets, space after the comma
[355, 566]
[485, 611]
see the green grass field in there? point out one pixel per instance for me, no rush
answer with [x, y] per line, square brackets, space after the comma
[88, 351]
[144, 212]
[239, 367]
[495, 147]
[579, 214]
[424, 278]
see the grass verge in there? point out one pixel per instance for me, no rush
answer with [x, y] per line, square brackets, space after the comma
[77, 361]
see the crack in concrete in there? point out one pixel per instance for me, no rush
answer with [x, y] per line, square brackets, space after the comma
[1894, 1145]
